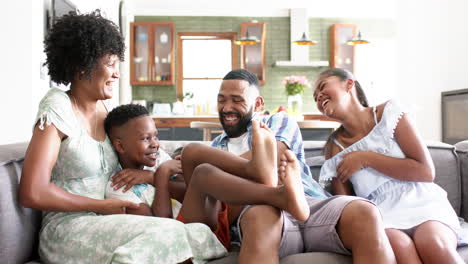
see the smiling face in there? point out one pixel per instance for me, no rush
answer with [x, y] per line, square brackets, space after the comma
[330, 93]
[138, 143]
[236, 104]
[104, 76]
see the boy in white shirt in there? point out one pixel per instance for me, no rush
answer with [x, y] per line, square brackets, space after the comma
[134, 137]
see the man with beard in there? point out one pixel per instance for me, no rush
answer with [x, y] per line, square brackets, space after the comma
[339, 224]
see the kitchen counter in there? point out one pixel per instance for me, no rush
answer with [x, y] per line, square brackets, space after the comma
[184, 121]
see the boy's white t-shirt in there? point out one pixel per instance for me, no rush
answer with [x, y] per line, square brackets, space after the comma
[239, 145]
[143, 193]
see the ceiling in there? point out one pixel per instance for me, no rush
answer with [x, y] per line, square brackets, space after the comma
[347, 8]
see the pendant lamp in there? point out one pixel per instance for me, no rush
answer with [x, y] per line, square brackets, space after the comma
[357, 41]
[247, 40]
[305, 41]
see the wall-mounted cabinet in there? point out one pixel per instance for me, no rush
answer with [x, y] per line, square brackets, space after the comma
[253, 56]
[342, 54]
[152, 53]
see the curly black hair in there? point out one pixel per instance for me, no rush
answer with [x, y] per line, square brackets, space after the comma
[122, 114]
[76, 42]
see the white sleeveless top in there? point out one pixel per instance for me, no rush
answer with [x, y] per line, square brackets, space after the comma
[403, 204]
[380, 140]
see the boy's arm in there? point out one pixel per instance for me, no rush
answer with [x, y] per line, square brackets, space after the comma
[162, 201]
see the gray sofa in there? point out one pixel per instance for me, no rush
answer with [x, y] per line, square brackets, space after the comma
[19, 227]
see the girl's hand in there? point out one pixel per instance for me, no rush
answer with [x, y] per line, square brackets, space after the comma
[130, 177]
[351, 163]
[115, 206]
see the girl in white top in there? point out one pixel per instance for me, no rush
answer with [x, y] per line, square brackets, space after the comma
[377, 154]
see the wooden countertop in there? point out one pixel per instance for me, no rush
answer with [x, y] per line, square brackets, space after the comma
[184, 121]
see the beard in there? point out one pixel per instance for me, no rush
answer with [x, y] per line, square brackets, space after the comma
[238, 129]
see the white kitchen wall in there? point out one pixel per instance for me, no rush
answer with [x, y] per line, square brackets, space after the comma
[21, 30]
[24, 80]
[266, 8]
[431, 56]
[458, 50]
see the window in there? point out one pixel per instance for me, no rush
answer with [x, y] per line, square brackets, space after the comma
[204, 59]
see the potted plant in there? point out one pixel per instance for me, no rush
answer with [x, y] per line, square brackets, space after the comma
[294, 87]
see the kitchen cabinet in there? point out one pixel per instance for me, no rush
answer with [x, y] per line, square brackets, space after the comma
[152, 53]
[316, 134]
[194, 134]
[342, 54]
[314, 127]
[253, 56]
[180, 133]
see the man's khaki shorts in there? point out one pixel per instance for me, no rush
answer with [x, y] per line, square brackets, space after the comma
[316, 234]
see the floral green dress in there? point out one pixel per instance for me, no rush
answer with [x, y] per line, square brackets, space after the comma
[83, 167]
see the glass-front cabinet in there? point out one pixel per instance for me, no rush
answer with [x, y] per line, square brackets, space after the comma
[152, 53]
[253, 56]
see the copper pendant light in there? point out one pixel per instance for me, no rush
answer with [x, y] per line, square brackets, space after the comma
[305, 41]
[357, 40]
[247, 40]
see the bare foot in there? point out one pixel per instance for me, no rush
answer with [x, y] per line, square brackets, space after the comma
[264, 164]
[290, 175]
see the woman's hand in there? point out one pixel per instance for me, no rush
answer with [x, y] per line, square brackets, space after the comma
[351, 163]
[130, 177]
[115, 206]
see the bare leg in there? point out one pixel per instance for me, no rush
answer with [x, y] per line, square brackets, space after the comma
[361, 229]
[403, 246]
[209, 181]
[262, 168]
[436, 243]
[195, 154]
[261, 227]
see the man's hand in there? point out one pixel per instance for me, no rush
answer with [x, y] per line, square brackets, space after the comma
[115, 206]
[351, 163]
[130, 177]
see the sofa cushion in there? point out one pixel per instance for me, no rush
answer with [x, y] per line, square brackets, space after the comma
[462, 151]
[19, 227]
[447, 173]
[12, 152]
[304, 258]
[313, 148]
[317, 257]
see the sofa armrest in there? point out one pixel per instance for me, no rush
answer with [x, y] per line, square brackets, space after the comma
[462, 151]
[19, 226]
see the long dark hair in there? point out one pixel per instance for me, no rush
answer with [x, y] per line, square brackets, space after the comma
[343, 75]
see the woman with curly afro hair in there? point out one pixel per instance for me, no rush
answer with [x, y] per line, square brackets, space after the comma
[70, 159]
